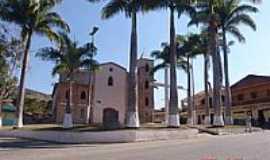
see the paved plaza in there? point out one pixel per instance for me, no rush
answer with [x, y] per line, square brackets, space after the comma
[255, 146]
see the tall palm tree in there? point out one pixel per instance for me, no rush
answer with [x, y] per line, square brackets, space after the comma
[163, 55]
[181, 6]
[232, 13]
[207, 16]
[69, 59]
[93, 66]
[191, 46]
[130, 8]
[33, 17]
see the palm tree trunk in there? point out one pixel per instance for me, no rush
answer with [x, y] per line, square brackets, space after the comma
[132, 116]
[21, 93]
[217, 86]
[166, 94]
[174, 120]
[194, 113]
[217, 78]
[190, 107]
[207, 119]
[228, 96]
[68, 123]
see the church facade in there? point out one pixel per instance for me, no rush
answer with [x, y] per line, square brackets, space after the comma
[110, 94]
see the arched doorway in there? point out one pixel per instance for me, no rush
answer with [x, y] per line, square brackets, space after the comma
[110, 118]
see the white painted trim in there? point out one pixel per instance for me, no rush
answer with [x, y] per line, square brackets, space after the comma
[174, 120]
[19, 122]
[67, 123]
[229, 120]
[218, 120]
[190, 121]
[132, 120]
[207, 120]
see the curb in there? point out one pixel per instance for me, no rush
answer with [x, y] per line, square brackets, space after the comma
[101, 137]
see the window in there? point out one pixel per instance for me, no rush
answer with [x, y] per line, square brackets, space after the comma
[240, 97]
[146, 84]
[111, 69]
[203, 101]
[223, 99]
[67, 94]
[146, 101]
[110, 81]
[253, 95]
[83, 95]
[146, 68]
[210, 102]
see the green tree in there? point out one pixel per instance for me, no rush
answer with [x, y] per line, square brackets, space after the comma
[232, 13]
[10, 48]
[191, 46]
[33, 17]
[207, 16]
[163, 57]
[181, 6]
[69, 59]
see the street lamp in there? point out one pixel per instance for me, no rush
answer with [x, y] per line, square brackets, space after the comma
[94, 31]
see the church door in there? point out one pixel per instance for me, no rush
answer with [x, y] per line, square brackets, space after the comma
[110, 118]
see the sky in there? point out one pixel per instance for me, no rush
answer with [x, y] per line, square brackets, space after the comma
[113, 39]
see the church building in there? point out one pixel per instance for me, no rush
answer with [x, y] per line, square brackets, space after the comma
[110, 94]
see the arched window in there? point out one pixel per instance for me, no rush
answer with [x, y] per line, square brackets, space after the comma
[146, 101]
[67, 94]
[110, 81]
[146, 84]
[83, 95]
[146, 68]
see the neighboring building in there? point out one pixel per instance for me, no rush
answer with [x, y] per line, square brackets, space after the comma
[145, 90]
[250, 94]
[110, 100]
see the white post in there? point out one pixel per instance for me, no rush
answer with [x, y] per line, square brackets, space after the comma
[166, 94]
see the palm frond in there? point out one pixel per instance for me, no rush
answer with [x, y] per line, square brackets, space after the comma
[114, 7]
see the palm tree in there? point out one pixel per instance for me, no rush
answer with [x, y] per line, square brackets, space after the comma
[130, 8]
[181, 6]
[164, 56]
[33, 17]
[93, 66]
[69, 59]
[232, 14]
[192, 46]
[207, 16]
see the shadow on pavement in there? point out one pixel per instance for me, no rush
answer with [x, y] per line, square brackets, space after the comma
[15, 143]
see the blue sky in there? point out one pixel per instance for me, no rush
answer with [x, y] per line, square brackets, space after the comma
[113, 38]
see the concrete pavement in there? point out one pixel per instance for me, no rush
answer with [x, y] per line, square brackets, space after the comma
[255, 146]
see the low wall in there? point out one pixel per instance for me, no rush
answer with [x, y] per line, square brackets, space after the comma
[101, 137]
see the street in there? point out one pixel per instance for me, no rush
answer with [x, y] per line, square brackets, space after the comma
[255, 146]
